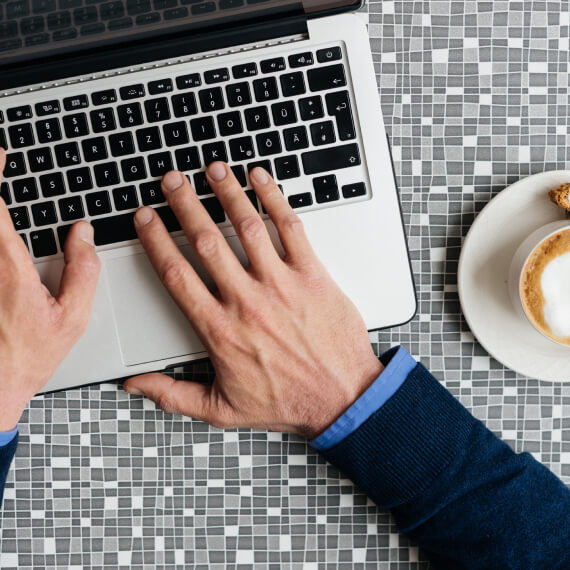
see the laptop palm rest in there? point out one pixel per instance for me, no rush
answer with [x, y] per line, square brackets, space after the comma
[150, 325]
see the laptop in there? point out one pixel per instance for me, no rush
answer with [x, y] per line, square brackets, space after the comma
[98, 99]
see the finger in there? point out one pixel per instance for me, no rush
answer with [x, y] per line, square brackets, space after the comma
[245, 218]
[172, 268]
[9, 239]
[80, 274]
[175, 397]
[204, 236]
[289, 226]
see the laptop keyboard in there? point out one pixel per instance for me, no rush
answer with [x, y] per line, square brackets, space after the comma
[100, 154]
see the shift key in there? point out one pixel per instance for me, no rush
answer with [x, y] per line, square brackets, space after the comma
[328, 159]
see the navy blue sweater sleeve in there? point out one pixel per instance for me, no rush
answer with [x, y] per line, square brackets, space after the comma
[466, 498]
[6, 455]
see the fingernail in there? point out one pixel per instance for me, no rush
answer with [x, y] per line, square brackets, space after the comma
[143, 216]
[259, 175]
[86, 233]
[133, 391]
[217, 171]
[172, 180]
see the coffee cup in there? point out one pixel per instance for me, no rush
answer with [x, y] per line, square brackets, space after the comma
[539, 281]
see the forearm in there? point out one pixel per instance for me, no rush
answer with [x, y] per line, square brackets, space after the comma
[460, 492]
[7, 451]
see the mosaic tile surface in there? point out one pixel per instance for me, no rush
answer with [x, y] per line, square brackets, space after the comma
[475, 96]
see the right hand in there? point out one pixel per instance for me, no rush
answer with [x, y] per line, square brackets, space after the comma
[291, 352]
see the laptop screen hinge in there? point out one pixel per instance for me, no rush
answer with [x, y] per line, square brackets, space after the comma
[52, 72]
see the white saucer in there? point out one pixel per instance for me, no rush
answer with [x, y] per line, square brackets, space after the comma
[483, 270]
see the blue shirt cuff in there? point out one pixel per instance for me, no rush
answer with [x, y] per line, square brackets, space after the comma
[382, 389]
[7, 436]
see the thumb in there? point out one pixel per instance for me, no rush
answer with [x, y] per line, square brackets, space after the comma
[174, 397]
[79, 279]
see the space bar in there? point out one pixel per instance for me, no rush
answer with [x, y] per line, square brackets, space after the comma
[331, 158]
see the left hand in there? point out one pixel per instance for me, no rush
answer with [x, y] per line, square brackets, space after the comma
[38, 330]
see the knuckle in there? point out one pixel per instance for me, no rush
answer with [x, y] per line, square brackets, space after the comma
[206, 243]
[293, 224]
[173, 273]
[250, 228]
[166, 403]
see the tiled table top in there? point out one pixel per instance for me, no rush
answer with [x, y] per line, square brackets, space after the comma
[475, 96]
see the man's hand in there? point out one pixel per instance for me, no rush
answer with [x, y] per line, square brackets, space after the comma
[290, 350]
[38, 330]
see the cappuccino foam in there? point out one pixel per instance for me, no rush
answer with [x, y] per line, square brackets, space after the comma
[545, 287]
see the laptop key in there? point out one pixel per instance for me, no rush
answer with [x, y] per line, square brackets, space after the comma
[230, 123]
[214, 208]
[157, 110]
[311, 108]
[37, 40]
[76, 125]
[44, 214]
[211, 99]
[9, 30]
[168, 218]
[175, 134]
[120, 24]
[203, 128]
[188, 81]
[184, 105]
[338, 105]
[151, 193]
[114, 229]
[133, 169]
[214, 151]
[354, 190]
[98, 203]
[64, 35]
[329, 77]
[52, 184]
[333, 158]
[145, 19]
[40, 159]
[76, 102]
[21, 135]
[174, 13]
[48, 130]
[125, 198]
[25, 190]
[17, 9]
[287, 167]
[198, 9]
[272, 65]
[106, 174]
[257, 118]
[160, 86]
[84, 15]
[79, 179]
[284, 113]
[33, 25]
[67, 154]
[239, 173]
[268, 143]
[92, 29]
[138, 7]
[238, 94]
[300, 200]
[71, 209]
[324, 195]
[301, 59]
[122, 144]
[322, 133]
[244, 70]
[103, 120]
[132, 92]
[265, 164]
[43, 243]
[130, 115]
[188, 158]
[265, 89]
[104, 97]
[25, 238]
[160, 163]
[65, 4]
[329, 54]
[20, 217]
[296, 138]
[3, 141]
[94, 149]
[15, 165]
[292, 84]
[216, 75]
[252, 198]
[9, 45]
[5, 193]
[242, 149]
[47, 108]
[112, 10]
[149, 139]
[43, 6]
[201, 184]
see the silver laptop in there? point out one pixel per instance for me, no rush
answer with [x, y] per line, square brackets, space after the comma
[98, 99]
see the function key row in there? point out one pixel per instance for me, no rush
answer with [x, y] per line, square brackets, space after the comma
[318, 80]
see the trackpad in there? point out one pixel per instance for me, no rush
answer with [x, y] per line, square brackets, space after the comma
[150, 325]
